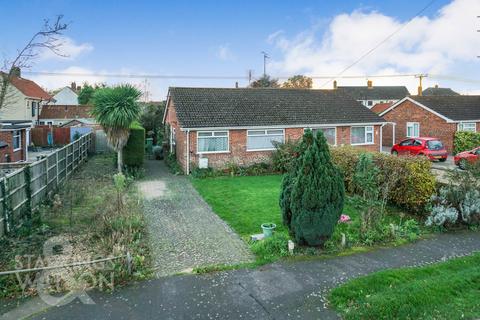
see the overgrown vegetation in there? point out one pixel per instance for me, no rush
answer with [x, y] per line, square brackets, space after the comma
[312, 193]
[465, 140]
[98, 215]
[447, 290]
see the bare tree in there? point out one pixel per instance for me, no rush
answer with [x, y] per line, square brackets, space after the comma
[48, 38]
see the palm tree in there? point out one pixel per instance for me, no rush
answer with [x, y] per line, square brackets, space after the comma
[115, 109]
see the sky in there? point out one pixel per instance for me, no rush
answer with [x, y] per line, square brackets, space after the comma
[226, 38]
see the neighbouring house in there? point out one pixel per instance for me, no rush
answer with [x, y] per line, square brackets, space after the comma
[24, 99]
[371, 95]
[80, 123]
[59, 114]
[67, 96]
[436, 91]
[217, 126]
[434, 116]
[380, 107]
[13, 137]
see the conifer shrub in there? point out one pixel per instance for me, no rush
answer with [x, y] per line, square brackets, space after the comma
[313, 193]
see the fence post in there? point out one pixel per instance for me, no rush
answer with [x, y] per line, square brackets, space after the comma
[6, 209]
[27, 173]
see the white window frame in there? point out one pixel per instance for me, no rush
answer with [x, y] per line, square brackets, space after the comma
[212, 136]
[317, 128]
[412, 125]
[17, 134]
[368, 129]
[461, 126]
[265, 133]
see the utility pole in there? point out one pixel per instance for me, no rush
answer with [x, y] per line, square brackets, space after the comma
[420, 77]
[265, 57]
[250, 75]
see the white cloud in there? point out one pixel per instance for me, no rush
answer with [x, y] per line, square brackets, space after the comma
[225, 53]
[68, 49]
[438, 45]
[69, 75]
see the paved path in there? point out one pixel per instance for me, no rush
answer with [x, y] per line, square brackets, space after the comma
[278, 291]
[184, 231]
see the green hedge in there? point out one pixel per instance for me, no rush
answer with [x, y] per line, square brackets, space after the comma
[134, 151]
[466, 141]
[411, 181]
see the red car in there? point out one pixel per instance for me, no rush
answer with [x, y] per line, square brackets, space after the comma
[424, 146]
[465, 157]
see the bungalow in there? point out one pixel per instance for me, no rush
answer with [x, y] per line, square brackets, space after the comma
[435, 116]
[67, 96]
[217, 126]
[371, 95]
[59, 114]
[13, 136]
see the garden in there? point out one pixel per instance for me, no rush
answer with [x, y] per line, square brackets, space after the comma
[380, 199]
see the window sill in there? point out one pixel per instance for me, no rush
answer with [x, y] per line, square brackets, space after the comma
[363, 144]
[257, 150]
[212, 152]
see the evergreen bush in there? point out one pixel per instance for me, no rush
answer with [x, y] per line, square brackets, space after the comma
[313, 193]
[134, 150]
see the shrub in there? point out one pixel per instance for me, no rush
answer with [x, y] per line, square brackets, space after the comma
[284, 154]
[315, 192]
[134, 150]
[404, 181]
[172, 164]
[458, 201]
[466, 141]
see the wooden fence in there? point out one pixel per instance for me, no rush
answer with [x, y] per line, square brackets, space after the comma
[23, 190]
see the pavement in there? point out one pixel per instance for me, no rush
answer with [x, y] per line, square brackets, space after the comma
[184, 232]
[286, 290]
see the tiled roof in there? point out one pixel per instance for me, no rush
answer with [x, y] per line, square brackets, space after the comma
[65, 112]
[29, 88]
[375, 92]
[242, 107]
[380, 107]
[456, 108]
[436, 91]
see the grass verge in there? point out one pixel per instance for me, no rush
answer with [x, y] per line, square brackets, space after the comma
[447, 290]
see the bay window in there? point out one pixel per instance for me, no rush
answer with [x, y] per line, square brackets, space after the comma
[264, 139]
[467, 126]
[361, 135]
[413, 130]
[212, 141]
[329, 133]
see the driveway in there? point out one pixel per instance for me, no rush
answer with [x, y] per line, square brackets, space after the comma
[295, 290]
[184, 232]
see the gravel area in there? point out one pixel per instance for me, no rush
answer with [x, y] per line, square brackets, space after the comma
[184, 231]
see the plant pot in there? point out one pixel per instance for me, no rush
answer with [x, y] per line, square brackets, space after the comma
[268, 229]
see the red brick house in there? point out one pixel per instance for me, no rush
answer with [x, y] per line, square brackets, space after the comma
[217, 126]
[13, 147]
[434, 116]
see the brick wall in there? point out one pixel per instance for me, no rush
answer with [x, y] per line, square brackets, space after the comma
[18, 155]
[431, 125]
[238, 153]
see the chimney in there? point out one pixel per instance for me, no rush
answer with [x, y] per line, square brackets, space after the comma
[236, 85]
[17, 72]
[369, 84]
[334, 84]
[73, 86]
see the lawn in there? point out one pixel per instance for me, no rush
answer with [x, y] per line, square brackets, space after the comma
[448, 290]
[245, 202]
